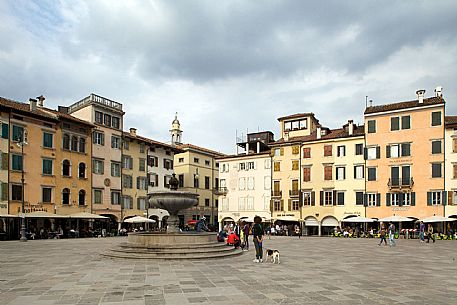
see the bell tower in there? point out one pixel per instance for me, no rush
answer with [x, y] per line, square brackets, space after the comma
[176, 132]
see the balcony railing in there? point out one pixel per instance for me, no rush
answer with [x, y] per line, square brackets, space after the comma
[276, 193]
[400, 183]
[222, 190]
[294, 193]
[93, 98]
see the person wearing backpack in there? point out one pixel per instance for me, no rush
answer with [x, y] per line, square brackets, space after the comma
[392, 235]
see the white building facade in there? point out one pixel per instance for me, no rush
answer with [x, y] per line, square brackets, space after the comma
[244, 187]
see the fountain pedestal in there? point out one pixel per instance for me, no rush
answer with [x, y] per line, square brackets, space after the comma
[174, 244]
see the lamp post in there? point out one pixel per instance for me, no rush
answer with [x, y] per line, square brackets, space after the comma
[21, 143]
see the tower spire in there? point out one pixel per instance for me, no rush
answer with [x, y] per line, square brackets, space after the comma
[176, 132]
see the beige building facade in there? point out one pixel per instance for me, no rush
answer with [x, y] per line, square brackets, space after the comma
[450, 210]
[107, 116]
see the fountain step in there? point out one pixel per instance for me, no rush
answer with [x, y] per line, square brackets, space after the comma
[173, 250]
[173, 246]
[173, 256]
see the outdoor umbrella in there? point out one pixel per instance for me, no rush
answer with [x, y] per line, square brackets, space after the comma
[437, 219]
[395, 219]
[139, 219]
[42, 214]
[358, 219]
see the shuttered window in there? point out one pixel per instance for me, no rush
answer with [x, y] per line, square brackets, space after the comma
[328, 172]
[436, 170]
[455, 170]
[306, 174]
[436, 118]
[394, 123]
[277, 166]
[294, 165]
[327, 150]
[307, 152]
[295, 150]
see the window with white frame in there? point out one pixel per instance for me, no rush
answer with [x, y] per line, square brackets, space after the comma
[251, 165]
[371, 153]
[241, 204]
[266, 203]
[225, 204]
[295, 205]
[222, 183]
[395, 150]
[250, 183]
[394, 199]
[267, 163]
[306, 198]
[277, 152]
[241, 184]
[358, 171]
[341, 151]
[371, 199]
[406, 200]
[340, 173]
[98, 138]
[328, 197]
[436, 197]
[242, 166]
[267, 182]
[250, 203]
[454, 197]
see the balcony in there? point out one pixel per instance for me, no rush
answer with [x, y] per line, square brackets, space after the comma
[294, 193]
[400, 184]
[222, 190]
[276, 194]
[93, 98]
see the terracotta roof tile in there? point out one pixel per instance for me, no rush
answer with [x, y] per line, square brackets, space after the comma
[206, 150]
[450, 120]
[43, 112]
[332, 134]
[404, 105]
[152, 142]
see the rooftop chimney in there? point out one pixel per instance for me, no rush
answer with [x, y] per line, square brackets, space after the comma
[439, 91]
[350, 127]
[370, 103]
[318, 132]
[133, 131]
[420, 95]
[32, 104]
[40, 99]
[286, 136]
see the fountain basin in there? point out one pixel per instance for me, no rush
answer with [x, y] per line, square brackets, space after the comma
[172, 201]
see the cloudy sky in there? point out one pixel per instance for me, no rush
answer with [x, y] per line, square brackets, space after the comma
[228, 66]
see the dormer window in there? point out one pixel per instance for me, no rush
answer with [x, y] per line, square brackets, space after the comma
[296, 125]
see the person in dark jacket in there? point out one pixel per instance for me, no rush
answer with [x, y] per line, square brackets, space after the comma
[257, 237]
[200, 226]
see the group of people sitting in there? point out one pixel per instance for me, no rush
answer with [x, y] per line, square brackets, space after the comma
[235, 235]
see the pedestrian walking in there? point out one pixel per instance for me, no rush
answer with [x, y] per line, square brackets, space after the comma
[297, 231]
[421, 231]
[246, 235]
[392, 235]
[257, 237]
[382, 234]
[430, 234]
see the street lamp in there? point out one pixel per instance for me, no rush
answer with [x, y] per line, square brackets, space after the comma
[21, 142]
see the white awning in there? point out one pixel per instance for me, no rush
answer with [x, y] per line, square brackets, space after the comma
[330, 222]
[85, 215]
[311, 222]
[437, 219]
[8, 216]
[42, 214]
[138, 219]
[358, 219]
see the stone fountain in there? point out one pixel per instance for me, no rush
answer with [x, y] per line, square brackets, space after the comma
[172, 244]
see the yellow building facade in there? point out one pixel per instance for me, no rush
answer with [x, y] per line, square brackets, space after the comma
[197, 171]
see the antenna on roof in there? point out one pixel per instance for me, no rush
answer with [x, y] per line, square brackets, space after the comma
[366, 101]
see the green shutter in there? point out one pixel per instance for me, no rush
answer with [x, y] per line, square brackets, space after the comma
[5, 131]
[429, 198]
[388, 199]
[413, 199]
[4, 161]
[4, 191]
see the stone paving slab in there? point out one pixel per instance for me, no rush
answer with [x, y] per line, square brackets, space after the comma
[312, 271]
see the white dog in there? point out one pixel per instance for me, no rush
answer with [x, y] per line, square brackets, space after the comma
[273, 256]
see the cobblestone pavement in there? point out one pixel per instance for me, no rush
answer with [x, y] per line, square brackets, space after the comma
[312, 271]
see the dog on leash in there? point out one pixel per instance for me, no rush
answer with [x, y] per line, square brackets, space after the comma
[272, 255]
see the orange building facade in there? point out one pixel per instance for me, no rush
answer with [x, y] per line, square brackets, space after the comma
[404, 154]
